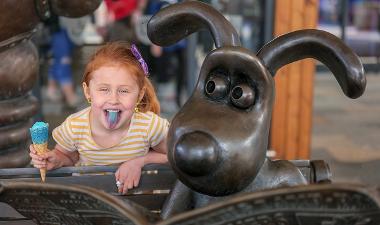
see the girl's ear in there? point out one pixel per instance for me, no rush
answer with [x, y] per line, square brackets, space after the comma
[86, 90]
[142, 93]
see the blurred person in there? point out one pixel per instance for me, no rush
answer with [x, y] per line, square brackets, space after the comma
[64, 32]
[101, 20]
[169, 61]
[124, 15]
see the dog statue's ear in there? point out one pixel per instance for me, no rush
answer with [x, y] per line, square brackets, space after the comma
[320, 45]
[177, 21]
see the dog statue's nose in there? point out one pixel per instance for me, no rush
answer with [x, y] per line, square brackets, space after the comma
[196, 154]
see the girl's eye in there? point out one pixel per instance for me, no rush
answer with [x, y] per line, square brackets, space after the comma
[124, 91]
[103, 89]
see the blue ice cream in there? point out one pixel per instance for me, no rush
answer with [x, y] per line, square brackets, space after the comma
[39, 132]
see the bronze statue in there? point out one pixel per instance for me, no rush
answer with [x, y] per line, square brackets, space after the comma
[218, 140]
[19, 69]
[61, 204]
[337, 204]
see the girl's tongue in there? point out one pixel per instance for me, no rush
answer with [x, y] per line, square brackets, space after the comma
[113, 117]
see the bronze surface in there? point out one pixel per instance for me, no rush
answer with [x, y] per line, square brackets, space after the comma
[217, 141]
[19, 68]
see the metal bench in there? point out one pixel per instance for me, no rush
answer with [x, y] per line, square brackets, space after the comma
[48, 204]
[155, 184]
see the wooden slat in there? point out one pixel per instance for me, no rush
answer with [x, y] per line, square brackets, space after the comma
[291, 120]
[307, 86]
[292, 115]
[282, 17]
[69, 170]
[162, 181]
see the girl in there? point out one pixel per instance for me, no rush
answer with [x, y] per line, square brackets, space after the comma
[121, 125]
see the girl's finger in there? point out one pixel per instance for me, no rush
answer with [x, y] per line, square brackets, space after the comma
[130, 183]
[40, 166]
[120, 186]
[36, 157]
[32, 149]
[123, 183]
[40, 163]
[37, 162]
[136, 181]
[117, 175]
[32, 155]
[125, 188]
[119, 182]
[47, 155]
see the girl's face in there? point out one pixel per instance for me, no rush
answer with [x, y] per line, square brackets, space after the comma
[114, 94]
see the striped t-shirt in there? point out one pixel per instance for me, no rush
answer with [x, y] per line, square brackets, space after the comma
[146, 130]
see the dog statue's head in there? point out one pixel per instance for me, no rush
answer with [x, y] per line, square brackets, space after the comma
[217, 142]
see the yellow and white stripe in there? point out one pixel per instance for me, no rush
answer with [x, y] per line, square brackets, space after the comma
[146, 130]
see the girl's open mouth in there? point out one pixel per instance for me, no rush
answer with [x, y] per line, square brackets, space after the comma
[112, 117]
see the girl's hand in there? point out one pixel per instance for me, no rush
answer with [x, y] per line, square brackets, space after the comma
[48, 160]
[128, 174]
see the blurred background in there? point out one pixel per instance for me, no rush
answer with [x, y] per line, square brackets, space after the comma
[341, 131]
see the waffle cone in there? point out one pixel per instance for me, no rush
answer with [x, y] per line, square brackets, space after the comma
[41, 149]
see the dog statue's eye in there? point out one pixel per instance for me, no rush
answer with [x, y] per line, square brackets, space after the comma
[243, 96]
[216, 87]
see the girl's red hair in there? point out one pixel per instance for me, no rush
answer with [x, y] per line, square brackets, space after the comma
[119, 54]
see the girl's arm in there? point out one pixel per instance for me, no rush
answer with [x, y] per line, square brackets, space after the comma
[158, 155]
[67, 158]
[129, 172]
[56, 158]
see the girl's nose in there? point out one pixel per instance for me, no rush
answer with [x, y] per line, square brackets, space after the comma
[114, 98]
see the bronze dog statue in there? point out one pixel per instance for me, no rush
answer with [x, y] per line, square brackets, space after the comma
[218, 140]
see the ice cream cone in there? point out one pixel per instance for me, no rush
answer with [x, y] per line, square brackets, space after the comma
[40, 134]
[41, 149]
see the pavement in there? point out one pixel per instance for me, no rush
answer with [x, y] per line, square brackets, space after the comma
[346, 132]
